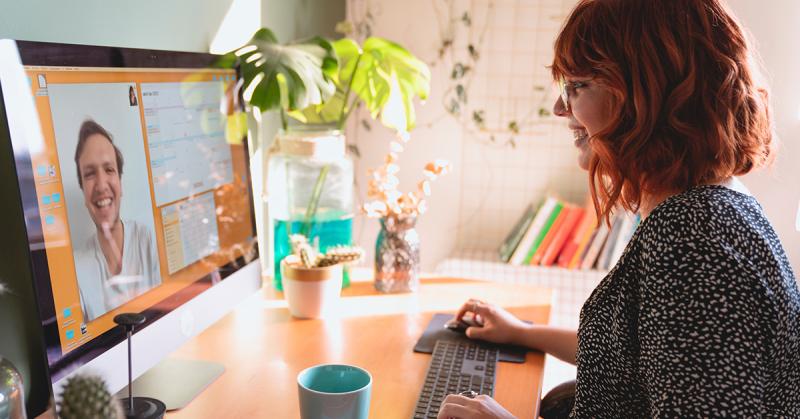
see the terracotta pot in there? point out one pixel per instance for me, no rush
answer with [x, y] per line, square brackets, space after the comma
[310, 292]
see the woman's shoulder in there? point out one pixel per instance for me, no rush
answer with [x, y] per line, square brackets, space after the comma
[716, 220]
[703, 213]
[712, 229]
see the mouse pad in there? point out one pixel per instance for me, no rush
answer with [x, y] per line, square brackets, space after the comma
[436, 331]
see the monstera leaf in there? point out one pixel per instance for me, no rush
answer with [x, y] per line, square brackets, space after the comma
[379, 74]
[285, 77]
[328, 113]
[381, 63]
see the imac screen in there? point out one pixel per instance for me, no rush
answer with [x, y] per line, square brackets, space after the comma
[142, 191]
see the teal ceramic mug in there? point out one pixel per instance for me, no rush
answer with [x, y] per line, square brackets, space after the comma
[334, 391]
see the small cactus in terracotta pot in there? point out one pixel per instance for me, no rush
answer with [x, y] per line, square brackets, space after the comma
[334, 255]
[312, 280]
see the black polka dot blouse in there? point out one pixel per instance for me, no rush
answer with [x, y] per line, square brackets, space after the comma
[699, 318]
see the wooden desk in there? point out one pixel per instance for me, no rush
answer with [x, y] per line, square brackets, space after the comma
[263, 349]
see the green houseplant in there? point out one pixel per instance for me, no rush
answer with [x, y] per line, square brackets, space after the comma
[318, 82]
[284, 78]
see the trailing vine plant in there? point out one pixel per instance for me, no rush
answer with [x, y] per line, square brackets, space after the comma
[453, 24]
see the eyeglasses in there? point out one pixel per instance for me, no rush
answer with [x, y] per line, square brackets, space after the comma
[569, 86]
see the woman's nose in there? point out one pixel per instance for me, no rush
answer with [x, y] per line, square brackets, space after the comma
[559, 108]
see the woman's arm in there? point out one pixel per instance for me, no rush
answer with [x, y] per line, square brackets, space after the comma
[560, 342]
[500, 326]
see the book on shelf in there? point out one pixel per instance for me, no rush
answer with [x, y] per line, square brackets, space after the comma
[542, 214]
[576, 242]
[566, 229]
[568, 236]
[604, 258]
[594, 249]
[548, 224]
[578, 257]
[515, 236]
[550, 235]
[627, 227]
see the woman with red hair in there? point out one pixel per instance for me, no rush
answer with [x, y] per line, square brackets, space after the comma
[700, 315]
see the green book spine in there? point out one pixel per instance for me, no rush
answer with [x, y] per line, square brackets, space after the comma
[543, 233]
[514, 237]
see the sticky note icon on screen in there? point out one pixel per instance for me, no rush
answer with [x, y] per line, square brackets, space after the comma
[41, 170]
[46, 200]
[49, 220]
[70, 334]
[67, 312]
[56, 198]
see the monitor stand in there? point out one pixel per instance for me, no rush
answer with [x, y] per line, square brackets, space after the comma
[176, 382]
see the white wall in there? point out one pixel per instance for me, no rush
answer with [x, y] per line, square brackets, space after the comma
[453, 224]
[776, 30]
[476, 205]
[188, 25]
[184, 25]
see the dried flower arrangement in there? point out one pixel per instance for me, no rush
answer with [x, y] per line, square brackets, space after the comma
[385, 200]
[310, 258]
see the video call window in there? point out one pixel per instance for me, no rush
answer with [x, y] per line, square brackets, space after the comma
[140, 193]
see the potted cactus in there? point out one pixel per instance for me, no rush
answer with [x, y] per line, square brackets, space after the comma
[312, 280]
[87, 397]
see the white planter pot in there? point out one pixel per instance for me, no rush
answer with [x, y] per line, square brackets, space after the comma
[310, 292]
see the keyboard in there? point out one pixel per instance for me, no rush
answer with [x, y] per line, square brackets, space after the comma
[456, 367]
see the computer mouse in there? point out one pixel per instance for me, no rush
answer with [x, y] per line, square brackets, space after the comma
[461, 326]
[456, 326]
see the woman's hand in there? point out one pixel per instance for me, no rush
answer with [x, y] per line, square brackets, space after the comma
[481, 407]
[498, 325]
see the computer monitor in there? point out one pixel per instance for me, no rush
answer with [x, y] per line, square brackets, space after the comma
[134, 195]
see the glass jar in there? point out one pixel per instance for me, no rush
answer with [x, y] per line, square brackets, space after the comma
[310, 192]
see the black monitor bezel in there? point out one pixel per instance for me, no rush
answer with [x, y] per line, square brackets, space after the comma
[73, 55]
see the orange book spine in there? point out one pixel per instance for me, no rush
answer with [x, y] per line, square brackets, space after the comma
[560, 240]
[585, 238]
[548, 238]
[571, 243]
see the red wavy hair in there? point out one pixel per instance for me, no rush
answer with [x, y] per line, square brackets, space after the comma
[687, 109]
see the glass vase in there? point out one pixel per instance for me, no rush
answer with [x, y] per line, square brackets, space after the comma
[12, 400]
[397, 263]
